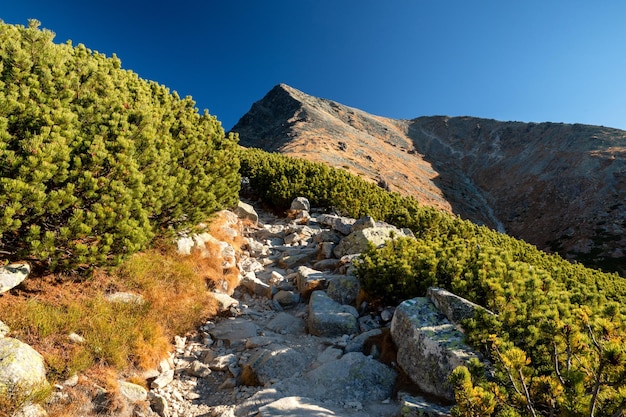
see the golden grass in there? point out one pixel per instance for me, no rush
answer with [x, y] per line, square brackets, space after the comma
[126, 337]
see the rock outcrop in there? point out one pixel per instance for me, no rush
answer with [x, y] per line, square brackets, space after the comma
[559, 186]
[429, 346]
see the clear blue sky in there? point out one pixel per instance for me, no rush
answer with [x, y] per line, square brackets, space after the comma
[526, 60]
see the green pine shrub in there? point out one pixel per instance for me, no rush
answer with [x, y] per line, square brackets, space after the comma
[95, 161]
[558, 339]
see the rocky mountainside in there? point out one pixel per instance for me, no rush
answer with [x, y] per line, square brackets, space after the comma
[559, 186]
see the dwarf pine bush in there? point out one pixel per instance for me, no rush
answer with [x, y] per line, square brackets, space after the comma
[95, 161]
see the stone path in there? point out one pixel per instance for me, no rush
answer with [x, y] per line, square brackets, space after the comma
[260, 358]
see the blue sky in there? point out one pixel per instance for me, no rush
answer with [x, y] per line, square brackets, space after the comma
[548, 60]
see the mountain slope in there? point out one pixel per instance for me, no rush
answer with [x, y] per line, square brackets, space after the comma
[561, 187]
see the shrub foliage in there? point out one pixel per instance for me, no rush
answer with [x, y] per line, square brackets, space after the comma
[95, 161]
[558, 337]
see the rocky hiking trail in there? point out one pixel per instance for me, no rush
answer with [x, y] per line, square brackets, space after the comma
[290, 339]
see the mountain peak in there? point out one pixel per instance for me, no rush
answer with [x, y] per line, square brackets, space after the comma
[559, 186]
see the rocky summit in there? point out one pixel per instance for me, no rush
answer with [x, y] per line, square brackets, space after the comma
[559, 186]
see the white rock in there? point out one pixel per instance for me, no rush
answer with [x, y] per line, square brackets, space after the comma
[12, 275]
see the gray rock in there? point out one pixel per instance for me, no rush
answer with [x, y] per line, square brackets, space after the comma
[296, 257]
[287, 298]
[309, 280]
[353, 377]
[199, 369]
[246, 212]
[297, 407]
[454, 307]
[132, 392]
[224, 301]
[234, 332]
[358, 241]
[328, 318]
[419, 407]
[163, 380]
[273, 363]
[327, 264]
[4, 329]
[326, 249]
[285, 323]
[327, 236]
[344, 289]
[429, 346]
[21, 367]
[365, 222]
[125, 297]
[341, 224]
[12, 275]
[300, 203]
[159, 404]
[357, 343]
[255, 285]
[224, 362]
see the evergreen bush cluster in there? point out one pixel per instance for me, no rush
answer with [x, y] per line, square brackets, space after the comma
[95, 161]
[558, 337]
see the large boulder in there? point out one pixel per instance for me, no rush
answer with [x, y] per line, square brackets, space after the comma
[429, 346]
[454, 307]
[353, 377]
[344, 289]
[22, 369]
[12, 275]
[359, 240]
[246, 212]
[309, 280]
[272, 363]
[300, 203]
[327, 318]
[341, 224]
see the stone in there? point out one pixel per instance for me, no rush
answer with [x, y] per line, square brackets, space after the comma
[125, 297]
[419, 407]
[341, 224]
[246, 212]
[163, 380]
[224, 362]
[454, 307]
[287, 298]
[358, 241]
[21, 367]
[76, 338]
[331, 353]
[365, 222]
[297, 407]
[429, 346]
[326, 249]
[300, 203]
[344, 289]
[234, 332]
[327, 264]
[255, 285]
[297, 257]
[357, 343]
[132, 392]
[353, 377]
[224, 301]
[199, 369]
[328, 318]
[159, 404]
[272, 363]
[285, 323]
[309, 280]
[12, 275]
[4, 329]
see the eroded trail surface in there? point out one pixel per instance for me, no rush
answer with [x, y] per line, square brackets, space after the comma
[290, 340]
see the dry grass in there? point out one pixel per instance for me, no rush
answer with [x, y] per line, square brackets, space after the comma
[119, 337]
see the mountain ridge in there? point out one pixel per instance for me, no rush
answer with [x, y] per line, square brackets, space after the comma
[559, 186]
